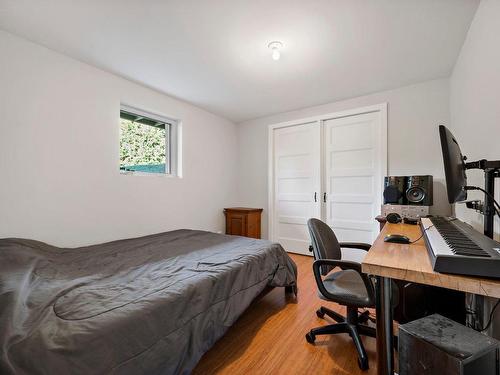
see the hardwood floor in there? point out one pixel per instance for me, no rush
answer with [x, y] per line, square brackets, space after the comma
[269, 337]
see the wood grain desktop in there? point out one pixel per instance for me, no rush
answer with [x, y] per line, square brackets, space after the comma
[411, 262]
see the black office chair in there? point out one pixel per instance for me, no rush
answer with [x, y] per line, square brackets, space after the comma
[349, 287]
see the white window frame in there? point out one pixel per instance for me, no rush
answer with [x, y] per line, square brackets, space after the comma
[172, 142]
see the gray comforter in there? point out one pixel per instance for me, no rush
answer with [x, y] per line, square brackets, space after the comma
[149, 305]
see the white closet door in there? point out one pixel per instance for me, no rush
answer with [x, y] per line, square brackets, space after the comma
[355, 163]
[297, 183]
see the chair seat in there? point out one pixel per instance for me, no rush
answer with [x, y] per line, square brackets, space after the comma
[348, 288]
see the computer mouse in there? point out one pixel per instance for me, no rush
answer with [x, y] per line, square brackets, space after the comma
[396, 238]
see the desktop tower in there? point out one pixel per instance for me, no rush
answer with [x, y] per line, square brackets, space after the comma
[435, 345]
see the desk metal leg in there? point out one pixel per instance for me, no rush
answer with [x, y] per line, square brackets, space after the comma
[385, 352]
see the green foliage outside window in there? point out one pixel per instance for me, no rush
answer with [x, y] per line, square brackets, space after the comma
[142, 147]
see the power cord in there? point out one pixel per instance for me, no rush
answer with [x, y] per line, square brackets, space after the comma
[490, 319]
[423, 232]
[496, 205]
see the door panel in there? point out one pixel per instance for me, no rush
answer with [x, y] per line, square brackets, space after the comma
[342, 160]
[296, 180]
[353, 175]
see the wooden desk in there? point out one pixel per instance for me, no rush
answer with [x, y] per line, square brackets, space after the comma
[410, 263]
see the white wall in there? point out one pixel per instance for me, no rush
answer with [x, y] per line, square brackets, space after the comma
[475, 99]
[475, 112]
[414, 113]
[59, 155]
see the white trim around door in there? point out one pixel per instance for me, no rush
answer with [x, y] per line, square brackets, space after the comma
[381, 164]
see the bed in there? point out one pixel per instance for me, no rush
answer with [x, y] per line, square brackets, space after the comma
[148, 305]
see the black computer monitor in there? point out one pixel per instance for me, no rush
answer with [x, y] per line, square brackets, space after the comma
[454, 166]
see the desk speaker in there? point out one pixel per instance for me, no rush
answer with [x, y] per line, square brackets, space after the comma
[394, 189]
[408, 190]
[418, 190]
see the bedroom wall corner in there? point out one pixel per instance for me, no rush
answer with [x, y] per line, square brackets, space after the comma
[475, 99]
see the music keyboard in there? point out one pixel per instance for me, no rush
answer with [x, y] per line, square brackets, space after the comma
[455, 247]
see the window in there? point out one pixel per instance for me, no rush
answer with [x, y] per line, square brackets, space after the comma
[147, 143]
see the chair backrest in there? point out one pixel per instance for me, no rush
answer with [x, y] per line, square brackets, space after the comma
[324, 242]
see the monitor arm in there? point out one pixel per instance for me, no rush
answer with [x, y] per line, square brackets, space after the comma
[491, 171]
[482, 164]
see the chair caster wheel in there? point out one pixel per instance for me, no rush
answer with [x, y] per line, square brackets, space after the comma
[363, 364]
[320, 313]
[364, 317]
[310, 337]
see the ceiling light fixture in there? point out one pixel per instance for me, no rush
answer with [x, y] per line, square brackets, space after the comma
[275, 48]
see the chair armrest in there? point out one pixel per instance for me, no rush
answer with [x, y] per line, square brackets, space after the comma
[356, 245]
[344, 265]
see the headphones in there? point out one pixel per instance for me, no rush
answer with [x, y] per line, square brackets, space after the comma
[393, 218]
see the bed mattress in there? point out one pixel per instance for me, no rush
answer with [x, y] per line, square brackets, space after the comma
[148, 305]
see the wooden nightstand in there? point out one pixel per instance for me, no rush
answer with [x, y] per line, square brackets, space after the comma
[243, 221]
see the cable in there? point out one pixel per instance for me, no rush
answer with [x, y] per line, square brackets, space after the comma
[485, 192]
[490, 319]
[423, 232]
[497, 208]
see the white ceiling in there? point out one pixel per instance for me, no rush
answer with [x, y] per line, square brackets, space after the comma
[213, 53]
